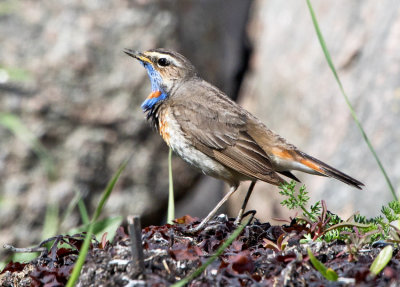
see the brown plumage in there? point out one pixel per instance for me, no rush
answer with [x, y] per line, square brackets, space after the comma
[210, 131]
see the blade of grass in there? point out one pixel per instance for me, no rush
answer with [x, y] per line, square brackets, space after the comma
[171, 203]
[219, 251]
[107, 192]
[328, 273]
[81, 259]
[86, 244]
[353, 114]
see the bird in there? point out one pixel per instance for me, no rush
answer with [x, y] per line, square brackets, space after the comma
[216, 135]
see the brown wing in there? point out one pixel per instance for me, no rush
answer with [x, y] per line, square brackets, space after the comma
[217, 127]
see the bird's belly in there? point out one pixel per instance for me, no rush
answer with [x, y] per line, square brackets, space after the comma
[174, 137]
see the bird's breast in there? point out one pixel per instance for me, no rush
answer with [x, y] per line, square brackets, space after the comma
[172, 133]
[182, 145]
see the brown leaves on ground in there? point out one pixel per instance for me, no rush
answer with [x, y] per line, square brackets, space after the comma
[50, 269]
[262, 255]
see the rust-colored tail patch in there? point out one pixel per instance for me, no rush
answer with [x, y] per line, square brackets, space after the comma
[327, 170]
[283, 154]
[311, 165]
[290, 155]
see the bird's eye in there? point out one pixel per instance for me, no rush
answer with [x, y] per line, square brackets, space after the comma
[163, 62]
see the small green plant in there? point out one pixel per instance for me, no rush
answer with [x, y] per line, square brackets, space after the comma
[391, 214]
[381, 260]
[298, 199]
[280, 244]
[317, 218]
[356, 240]
[328, 273]
[384, 223]
[356, 231]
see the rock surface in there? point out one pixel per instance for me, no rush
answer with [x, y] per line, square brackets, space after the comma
[80, 95]
[290, 87]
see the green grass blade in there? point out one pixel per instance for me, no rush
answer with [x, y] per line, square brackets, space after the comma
[328, 273]
[171, 202]
[353, 114]
[86, 244]
[81, 259]
[219, 251]
[381, 260]
[107, 192]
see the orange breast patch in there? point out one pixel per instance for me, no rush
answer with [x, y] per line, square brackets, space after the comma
[153, 95]
[163, 127]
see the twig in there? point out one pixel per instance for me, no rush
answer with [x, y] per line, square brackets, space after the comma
[24, 250]
[135, 234]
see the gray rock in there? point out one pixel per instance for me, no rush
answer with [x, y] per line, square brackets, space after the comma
[81, 98]
[291, 88]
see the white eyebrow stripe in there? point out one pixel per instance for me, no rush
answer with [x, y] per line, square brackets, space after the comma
[173, 61]
[161, 55]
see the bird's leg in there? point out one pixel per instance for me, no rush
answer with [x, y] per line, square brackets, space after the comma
[246, 199]
[212, 212]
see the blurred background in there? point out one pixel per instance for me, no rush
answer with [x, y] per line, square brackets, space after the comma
[70, 102]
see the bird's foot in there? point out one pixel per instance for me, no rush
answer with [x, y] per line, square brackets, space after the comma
[218, 220]
[241, 215]
[238, 218]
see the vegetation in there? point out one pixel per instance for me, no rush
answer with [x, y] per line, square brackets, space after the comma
[326, 226]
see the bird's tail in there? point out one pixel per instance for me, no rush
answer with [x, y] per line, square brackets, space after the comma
[326, 170]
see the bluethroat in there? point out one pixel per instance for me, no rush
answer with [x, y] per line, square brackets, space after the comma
[216, 135]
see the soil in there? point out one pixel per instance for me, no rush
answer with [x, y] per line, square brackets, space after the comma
[170, 253]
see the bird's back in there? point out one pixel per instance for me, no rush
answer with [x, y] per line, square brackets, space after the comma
[218, 127]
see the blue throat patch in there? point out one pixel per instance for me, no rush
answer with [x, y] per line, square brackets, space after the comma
[156, 80]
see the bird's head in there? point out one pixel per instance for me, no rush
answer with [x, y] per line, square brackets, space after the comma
[165, 68]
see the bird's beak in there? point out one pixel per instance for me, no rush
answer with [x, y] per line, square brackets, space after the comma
[137, 55]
